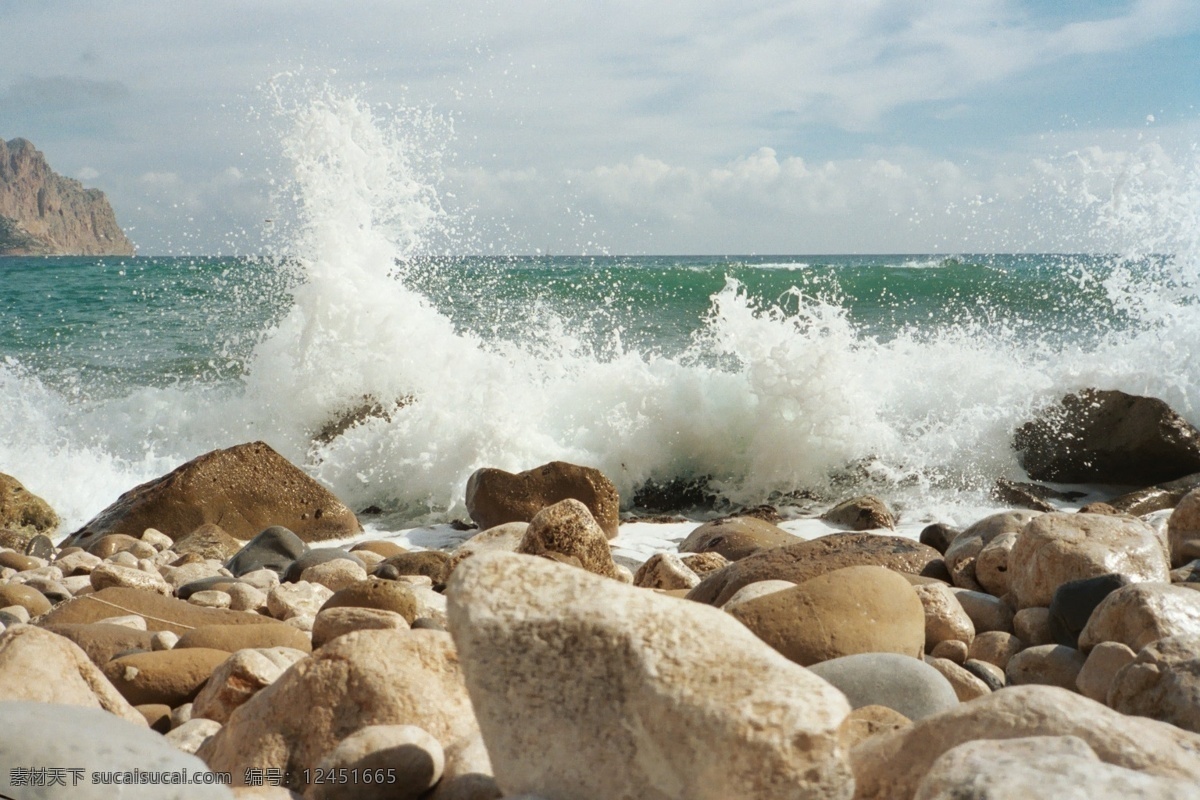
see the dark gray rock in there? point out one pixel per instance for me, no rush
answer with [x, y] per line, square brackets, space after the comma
[40, 546]
[938, 536]
[902, 683]
[275, 549]
[1074, 603]
[990, 674]
[96, 743]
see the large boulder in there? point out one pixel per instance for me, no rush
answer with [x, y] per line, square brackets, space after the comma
[88, 743]
[40, 666]
[495, 496]
[1141, 613]
[1108, 437]
[244, 489]
[587, 688]
[370, 677]
[1056, 548]
[847, 611]
[1163, 683]
[1061, 767]
[21, 510]
[804, 560]
[736, 537]
[891, 766]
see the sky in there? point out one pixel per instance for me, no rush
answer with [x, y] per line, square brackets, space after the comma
[878, 126]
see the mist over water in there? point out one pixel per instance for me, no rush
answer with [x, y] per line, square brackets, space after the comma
[824, 376]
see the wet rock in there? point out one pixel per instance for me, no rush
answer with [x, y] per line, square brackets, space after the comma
[808, 559]
[938, 536]
[1056, 548]
[16, 594]
[902, 683]
[381, 547]
[853, 610]
[962, 553]
[861, 514]
[244, 489]
[494, 497]
[1097, 436]
[1183, 530]
[736, 537]
[1138, 614]
[617, 681]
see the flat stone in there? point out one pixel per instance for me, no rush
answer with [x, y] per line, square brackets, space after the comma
[161, 613]
[902, 683]
[736, 537]
[264, 633]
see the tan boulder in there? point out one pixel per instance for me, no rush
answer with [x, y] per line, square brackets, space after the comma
[966, 686]
[1101, 667]
[995, 647]
[236, 679]
[505, 537]
[618, 708]
[1162, 683]
[1032, 626]
[289, 600]
[365, 678]
[43, 667]
[945, 619]
[1048, 664]
[665, 571]
[105, 547]
[847, 611]
[210, 598]
[753, 591]
[808, 559]
[380, 547]
[892, 766]
[164, 676]
[1056, 548]
[704, 563]
[263, 633]
[244, 489]
[161, 613]
[433, 564]
[1140, 613]
[736, 537]
[335, 574]
[567, 527]
[951, 649]
[331, 623]
[1183, 530]
[1059, 767]
[861, 514]
[964, 550]
[495, 497]
[23, 511]
[991, 565]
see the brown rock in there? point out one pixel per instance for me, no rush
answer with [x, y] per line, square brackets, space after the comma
[41, 666]
[847, 611]
[962, 553]
[106, 546]
[804, 560]
[995, 647]
[18, 561]
[1098, 436]
[495, 497]
[239, 677]
[364, 678]
[263, 633]
[24, 511]
[736, 537]
[165, 676]
[157, 716]
[1032, 626]
[245, 489]
[17, 594]
[208, 541]
[161, 613]
[1048, 664]
[335, 574]
[382, 547]
[377, 593]
[951, 650]
[109, 575]
[1162, 683]
[1102, 665]
[407, 752]
[1056, 548]
[665, 571]
[891, 766]
[434, 564]
[102, 641]
[966, 686]
[945, 618]
[704, 563]
[1183, 530]
[567, 527]
[987, 613]
[861, 514]
[1140, 613]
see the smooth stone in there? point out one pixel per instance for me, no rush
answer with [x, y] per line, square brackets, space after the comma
[80, 563]
[1032, 626]
[107, 546]
[381, 547]
[963, 551]
[161, 613]
[16, 594]
[374, 677]
[991, 565]
[211, 598]
[945, 619]
[219, 582]
[617, 690]
[987, 613]
[189, 736]
[172, 677]
[208, 541]
[1183, 530]
[736, 537]
[1074, 603]
[289, 600]
[847, 611]
[1056, 548]
[902, 683]
[433, 564]
[861, 514]
[951, 649]
[505, 537]
[103, 640]
[334, 574]
[93, 741]
[244, 597]
[231, 638]
[1141, 613]
[1162, 683]
[315, 556]
[1048, 664]
[1102, 665]
[966, 685]
[275, 548]
[868, 721]
[377, 593]
[938, 536]
[239, 677]
[995, 647]
[991, 675]
[407, 752]
[331, 623]
[157, 716]
[19, 561]
[753, 591]
[107, 576]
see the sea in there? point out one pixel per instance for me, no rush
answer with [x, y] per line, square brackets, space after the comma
[390, 369]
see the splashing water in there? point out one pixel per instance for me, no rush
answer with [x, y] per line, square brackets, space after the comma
[363, 379]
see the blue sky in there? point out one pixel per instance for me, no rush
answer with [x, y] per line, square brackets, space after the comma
[725, 127]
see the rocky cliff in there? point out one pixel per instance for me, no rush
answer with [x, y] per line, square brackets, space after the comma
[43, 213]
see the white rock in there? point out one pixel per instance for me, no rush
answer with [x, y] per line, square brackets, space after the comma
[288, 600]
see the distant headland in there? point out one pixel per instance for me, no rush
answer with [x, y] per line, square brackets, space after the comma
[43, 213]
